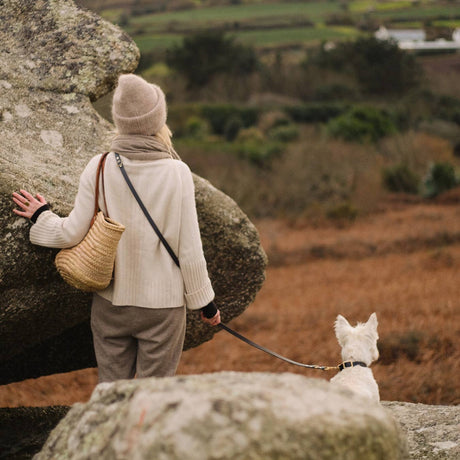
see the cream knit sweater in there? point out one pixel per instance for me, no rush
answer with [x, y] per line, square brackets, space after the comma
[145, 274]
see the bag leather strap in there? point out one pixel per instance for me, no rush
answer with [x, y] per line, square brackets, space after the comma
[144, 210]
[99, 173]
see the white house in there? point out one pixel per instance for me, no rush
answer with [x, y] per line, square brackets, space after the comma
[415, 39]
[400, 34]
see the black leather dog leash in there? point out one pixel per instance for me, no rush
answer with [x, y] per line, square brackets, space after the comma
[272, 353]
[176, 261]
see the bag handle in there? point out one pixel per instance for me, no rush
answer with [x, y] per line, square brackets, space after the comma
[144, 210]
[99, 172]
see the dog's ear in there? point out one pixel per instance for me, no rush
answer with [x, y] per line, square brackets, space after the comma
[342, 328]
[372, 323]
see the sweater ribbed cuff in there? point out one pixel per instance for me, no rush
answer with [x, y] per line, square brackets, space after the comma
[197, 299]
[37, 213]
[198, 287]
[43, 232]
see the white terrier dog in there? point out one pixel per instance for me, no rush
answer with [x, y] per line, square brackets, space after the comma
[359, 350]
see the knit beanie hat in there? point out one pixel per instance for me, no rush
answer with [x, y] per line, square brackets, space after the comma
[138, 107]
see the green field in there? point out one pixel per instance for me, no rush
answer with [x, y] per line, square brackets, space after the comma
[152, 42]
[449, 11]
[315, 11]
[259, 38]
[281, 24]
[365, 6]
[295, 36]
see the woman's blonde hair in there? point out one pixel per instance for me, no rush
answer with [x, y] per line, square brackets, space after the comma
[164, 136]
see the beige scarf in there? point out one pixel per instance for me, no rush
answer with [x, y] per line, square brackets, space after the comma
[140, 147]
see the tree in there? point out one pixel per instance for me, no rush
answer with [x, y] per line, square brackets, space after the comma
[204, 55]
[381, 67]
[378, 66]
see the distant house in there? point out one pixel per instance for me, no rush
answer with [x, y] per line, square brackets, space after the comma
[415, 39]
[400, 35]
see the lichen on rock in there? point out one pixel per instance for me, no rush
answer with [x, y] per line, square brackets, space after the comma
[55, 46]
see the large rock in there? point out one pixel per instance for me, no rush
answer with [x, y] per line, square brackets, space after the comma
[52, 45]
[433, 432]
[54, 58]
[225, 416]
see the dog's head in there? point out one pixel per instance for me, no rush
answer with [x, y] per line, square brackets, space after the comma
[358, 343]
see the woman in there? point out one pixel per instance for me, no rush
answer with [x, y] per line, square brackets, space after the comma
[138, 321]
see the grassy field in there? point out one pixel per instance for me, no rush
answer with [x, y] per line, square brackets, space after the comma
[295, 36]
[451, 11]
[279, 23]
[315, 11]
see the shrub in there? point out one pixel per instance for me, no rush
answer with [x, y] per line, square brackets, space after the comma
[196, 127]
[271, 119]
[252, 134]
[447, 108]
[315, 113]
[400, 178]
[232, 128]
[180, 115]
[333, 92]
[219, 115]
[259, 153]
[343, 212]
[362, 124]
[440, 178]
[284, 133]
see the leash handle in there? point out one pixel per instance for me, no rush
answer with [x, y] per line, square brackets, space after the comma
[272, 353]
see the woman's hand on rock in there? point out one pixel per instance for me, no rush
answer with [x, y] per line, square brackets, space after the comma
[28, 203]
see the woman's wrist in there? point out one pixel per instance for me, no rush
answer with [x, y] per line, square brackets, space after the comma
[210, 310]
[37, 213]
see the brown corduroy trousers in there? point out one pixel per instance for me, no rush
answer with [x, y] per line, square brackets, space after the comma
[133, 341]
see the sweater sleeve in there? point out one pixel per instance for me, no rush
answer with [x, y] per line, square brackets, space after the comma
[198, 288]
[53, 231]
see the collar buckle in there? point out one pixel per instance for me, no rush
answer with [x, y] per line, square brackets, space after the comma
[351, 364]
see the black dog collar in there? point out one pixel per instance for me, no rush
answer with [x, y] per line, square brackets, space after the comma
[351, 364]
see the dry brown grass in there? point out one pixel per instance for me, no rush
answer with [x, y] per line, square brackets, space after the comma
[414, 288]
[416, 149]
[442, 73]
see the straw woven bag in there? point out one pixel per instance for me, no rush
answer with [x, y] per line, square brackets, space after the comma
[88, 266]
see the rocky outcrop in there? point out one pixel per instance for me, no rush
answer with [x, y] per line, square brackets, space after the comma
[433, 432]
[54, 59]
[225, 416]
